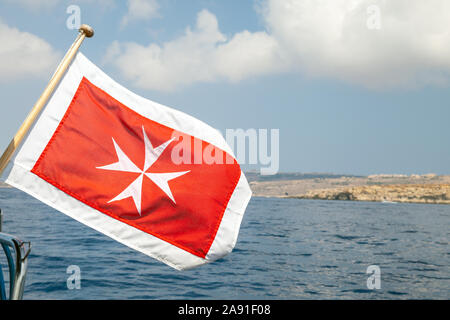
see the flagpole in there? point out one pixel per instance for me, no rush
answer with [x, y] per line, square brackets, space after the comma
[84, 31]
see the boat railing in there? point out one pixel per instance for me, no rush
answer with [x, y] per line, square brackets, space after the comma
[16, 252]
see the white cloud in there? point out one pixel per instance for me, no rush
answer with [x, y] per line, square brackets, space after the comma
[23, 54]
[140, 10]
[202, 54]
[320, 38]
[248, 54]
[331, 39]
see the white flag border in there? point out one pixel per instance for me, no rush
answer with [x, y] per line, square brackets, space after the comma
[18, 173]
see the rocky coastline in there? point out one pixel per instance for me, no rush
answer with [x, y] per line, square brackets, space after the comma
[429, 188]
[429, 193]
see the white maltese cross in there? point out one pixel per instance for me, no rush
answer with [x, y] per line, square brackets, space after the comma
[124, 164]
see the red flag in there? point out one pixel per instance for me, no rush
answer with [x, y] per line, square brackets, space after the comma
[132, 169]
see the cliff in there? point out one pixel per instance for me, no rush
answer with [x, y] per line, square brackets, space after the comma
[428, 188]
[428, 193]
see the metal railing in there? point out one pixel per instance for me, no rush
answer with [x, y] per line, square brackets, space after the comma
[16, 252]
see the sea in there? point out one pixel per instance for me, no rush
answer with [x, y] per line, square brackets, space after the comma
[287, 249]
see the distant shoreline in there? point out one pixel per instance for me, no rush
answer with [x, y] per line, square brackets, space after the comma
[430, 188]
[4, 185]
[429, 194]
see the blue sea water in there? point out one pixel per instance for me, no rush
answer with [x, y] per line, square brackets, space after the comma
[287, 249]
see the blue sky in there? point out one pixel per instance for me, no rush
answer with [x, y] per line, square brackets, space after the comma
[355, 87]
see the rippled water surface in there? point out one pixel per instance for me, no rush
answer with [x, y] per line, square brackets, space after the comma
[287, 249]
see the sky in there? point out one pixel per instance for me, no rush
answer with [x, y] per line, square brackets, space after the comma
[354, 86]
